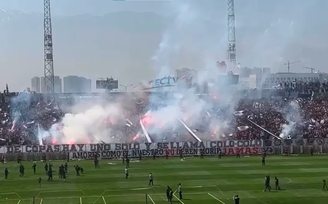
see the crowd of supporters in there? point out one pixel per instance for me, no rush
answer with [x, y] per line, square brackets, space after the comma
[21, 114]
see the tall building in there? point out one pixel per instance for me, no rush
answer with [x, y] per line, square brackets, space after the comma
[57, 83]
[76, 84]
[43, 86]
[36, 84]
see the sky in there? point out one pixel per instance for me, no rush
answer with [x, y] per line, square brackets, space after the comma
[77, 7]
[269, 34]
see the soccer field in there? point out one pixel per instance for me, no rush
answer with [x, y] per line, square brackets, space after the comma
[204, 181]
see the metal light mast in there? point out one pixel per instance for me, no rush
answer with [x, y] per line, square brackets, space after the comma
[231, 49]
[48, 50]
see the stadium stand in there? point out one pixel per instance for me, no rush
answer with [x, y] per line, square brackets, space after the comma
[266, 111]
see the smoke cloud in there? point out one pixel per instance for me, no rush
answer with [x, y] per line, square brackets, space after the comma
[293, 117]
[191, 34]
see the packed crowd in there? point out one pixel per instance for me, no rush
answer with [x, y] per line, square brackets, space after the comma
[22, 114]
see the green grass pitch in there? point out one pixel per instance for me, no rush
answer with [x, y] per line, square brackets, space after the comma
[204, 181]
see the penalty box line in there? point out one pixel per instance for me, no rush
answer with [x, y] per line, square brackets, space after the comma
[151, 199]
[40, 192]
[101, 196]
[12, 193]
[216, 198]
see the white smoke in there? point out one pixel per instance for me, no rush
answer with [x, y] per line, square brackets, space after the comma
[92, 123]
[192, 39]
[293, 117]
[197, 37]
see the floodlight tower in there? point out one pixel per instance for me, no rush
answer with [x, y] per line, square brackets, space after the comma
[231, 48]
[48, 51]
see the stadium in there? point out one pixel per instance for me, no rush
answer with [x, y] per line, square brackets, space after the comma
[161, 133]
[212, 137]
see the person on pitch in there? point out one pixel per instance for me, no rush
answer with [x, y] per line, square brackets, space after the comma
[126, 172]
[151, 181]
[180, 191]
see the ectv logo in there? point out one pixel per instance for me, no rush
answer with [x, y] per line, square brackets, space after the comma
[165, 81]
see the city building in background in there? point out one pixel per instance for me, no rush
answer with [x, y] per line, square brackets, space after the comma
[255, 73]
[76, 84]
[57, 88]
[281, 79]
[108, 84]
[36, 84]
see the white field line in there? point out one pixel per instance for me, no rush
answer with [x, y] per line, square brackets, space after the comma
[10, 193]
[102, 195]
[38, 195]
[83, 192]
[104, 199]
[151, 199]
[216, 198]
[80, 200]
[18, 196]
[95, 196]
[160, 195]
[19, 201]
[178, 198]
[222, 192]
